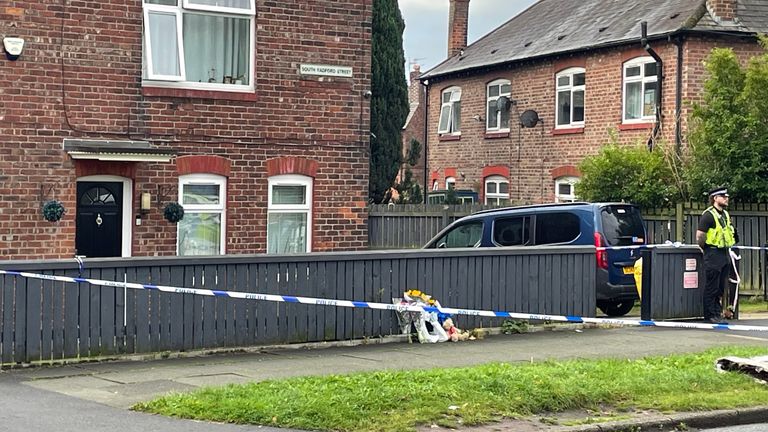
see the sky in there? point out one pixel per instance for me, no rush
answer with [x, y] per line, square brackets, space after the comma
[426, 26]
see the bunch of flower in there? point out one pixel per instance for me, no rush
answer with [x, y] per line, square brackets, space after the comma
[418, 296]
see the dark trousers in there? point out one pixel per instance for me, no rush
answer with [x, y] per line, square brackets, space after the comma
[716, 262]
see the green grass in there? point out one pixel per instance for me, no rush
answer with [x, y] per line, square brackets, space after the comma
[402, 400]
[753, 305]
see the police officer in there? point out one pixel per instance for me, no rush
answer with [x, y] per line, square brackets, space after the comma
[715, 236]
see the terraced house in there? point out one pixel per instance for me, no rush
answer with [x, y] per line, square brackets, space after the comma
[252, 115]
[511, 115]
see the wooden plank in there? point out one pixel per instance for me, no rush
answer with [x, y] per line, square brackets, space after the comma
[142, 313]
[253, 317]
[357, 293]
[179, 321]
[348, 290]
[238, 275]
[33, 319]
[222, 306]
[165, 316]
[330, 290]
[111, 309]
[273, 311]
[192, 308]
[20, 322]
[6, 321]
[129, 335]
[209, 307]
[49, 301]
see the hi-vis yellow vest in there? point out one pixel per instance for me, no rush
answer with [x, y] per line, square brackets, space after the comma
[721, 236]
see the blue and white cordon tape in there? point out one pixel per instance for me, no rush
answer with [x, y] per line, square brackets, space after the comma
[383, 306]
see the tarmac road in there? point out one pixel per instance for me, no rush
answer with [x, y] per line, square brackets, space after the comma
[92, 397]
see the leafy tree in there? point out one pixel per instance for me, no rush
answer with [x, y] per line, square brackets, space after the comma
[627, 173]
[389, 103]
[728, 140]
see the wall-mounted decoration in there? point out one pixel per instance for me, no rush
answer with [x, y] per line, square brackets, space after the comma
[173, 212]
[53, 210]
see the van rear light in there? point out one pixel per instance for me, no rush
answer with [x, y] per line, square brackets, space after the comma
[601, 254]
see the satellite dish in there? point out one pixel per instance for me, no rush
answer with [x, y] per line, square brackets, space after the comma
[529, 118]
[503, 103]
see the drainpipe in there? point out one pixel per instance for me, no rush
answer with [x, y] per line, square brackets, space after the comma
[426, 139]
[679, 96]
[659, 79]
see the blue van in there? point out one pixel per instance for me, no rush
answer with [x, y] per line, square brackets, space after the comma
[580, 223]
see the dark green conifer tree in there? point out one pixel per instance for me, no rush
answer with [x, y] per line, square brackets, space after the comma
[389, 102]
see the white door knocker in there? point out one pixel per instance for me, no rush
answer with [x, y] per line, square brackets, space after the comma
[98, 219]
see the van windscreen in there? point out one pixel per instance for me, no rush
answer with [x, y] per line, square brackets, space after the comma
[622, 225]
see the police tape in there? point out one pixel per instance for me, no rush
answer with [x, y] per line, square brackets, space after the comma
[672, 245]
[385, 306]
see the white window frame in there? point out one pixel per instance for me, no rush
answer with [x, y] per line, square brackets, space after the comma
[178, 81]
[641, 62]
[571, 181]
[221, 207]
[498, 180]
[435, 185]
[292, 180]
[497, 83]
[570, 72]
[450, 182]
[450, 105]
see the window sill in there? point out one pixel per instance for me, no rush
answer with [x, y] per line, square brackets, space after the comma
[635, 126]
[450, 137]
[496, 135]
[568, 131]
[197, 94]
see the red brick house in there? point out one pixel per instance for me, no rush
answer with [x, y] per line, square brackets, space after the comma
[515, 112]
[413, 129]
[251, 114]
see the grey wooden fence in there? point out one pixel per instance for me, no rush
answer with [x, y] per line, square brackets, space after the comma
[44, 321]
[411, 226]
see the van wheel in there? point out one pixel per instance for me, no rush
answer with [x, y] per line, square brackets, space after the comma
[616, 308]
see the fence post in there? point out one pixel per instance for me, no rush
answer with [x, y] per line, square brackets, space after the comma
[645, 298]
[679, 223]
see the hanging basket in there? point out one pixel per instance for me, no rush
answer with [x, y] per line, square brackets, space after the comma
[173, 212]
[53, 210]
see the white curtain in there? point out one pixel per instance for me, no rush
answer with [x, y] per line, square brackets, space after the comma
[165, 48]
[200, 234]
[287, 233]
[633, 103]
[239, 4]
[216, 47]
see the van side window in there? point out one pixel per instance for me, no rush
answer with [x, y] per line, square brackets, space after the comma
[462, 236]
[556, 228]
[512, 231]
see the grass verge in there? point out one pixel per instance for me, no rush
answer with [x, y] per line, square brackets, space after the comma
[403, 400]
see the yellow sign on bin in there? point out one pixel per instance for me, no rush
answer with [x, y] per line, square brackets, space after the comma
[639, 277]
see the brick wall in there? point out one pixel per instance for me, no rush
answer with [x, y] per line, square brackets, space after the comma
[80, 77]
[533, 153]
[415, 127]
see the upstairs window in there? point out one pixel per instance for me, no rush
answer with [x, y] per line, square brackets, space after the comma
[205, 44]
[499, 101]
[570, 98]
[450, 111]
[640, 87]
[496, 190]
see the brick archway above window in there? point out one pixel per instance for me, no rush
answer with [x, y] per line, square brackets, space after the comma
[292, 165]
[565, 171]
[203, 164]
[434, 175]
[500, 170]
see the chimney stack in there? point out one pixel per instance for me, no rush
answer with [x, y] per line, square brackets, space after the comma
[458, 21]
[722, 10]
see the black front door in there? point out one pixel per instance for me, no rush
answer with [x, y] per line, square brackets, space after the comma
[99, 219]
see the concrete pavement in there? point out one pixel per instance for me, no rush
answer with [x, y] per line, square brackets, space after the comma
[116, 385]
